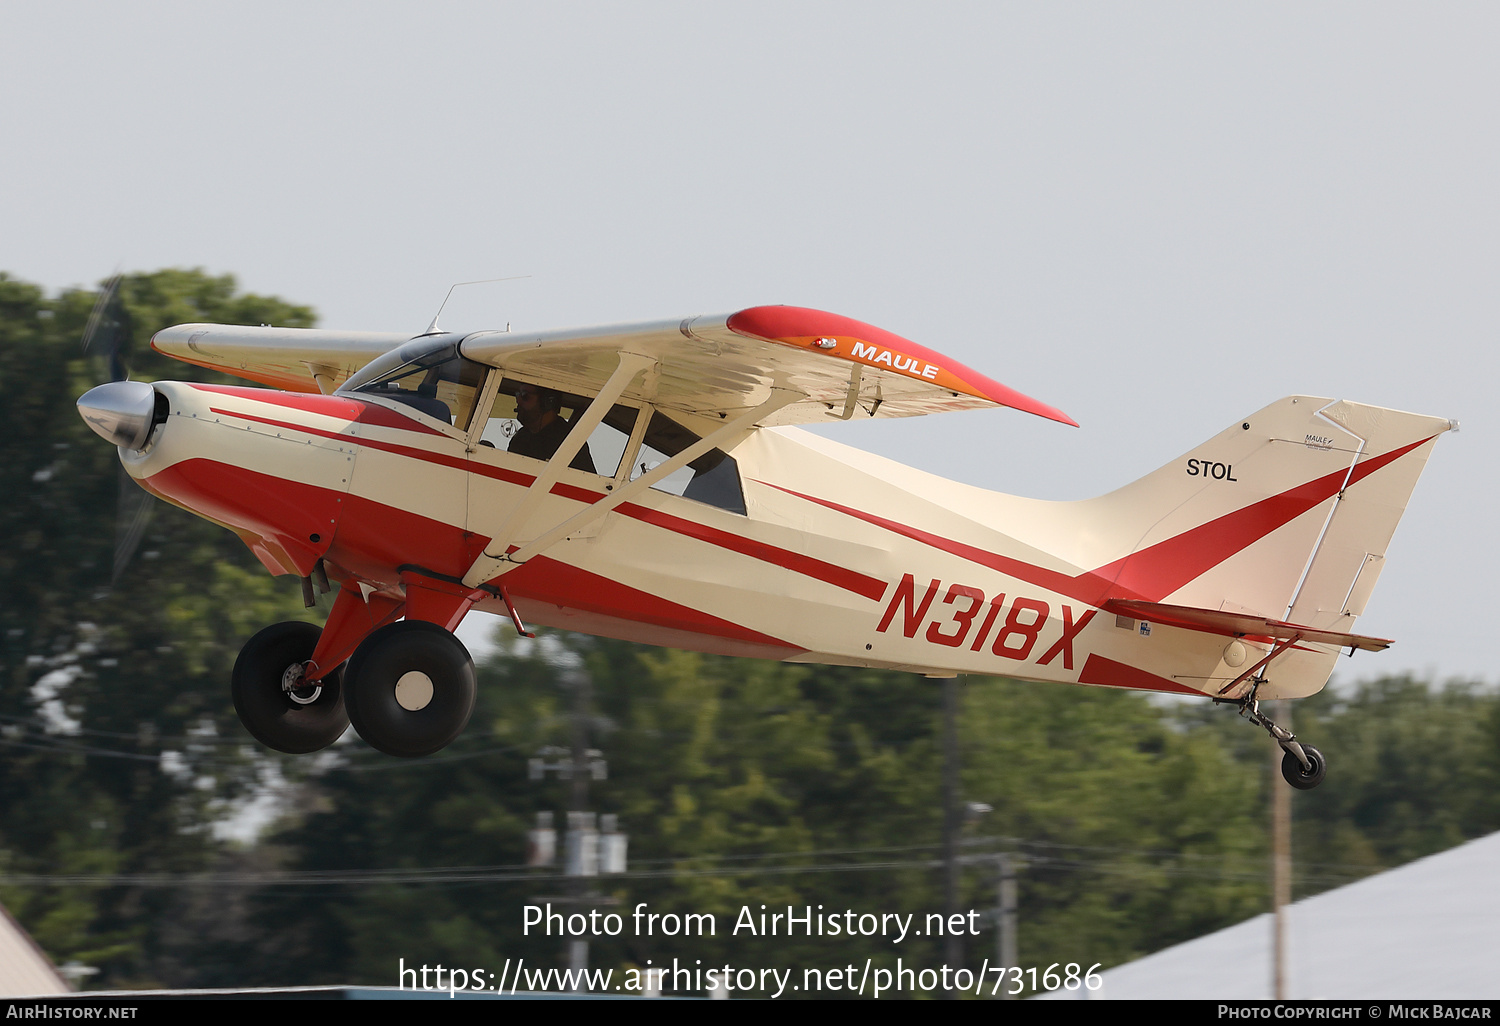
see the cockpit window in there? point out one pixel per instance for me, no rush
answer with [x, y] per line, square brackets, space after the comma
[712, 478]
[427, 374]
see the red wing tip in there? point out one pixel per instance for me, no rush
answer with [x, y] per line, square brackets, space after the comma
[780, 323]
[1039, 409]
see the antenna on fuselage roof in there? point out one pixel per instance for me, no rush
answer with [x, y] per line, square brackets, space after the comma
[433, 327]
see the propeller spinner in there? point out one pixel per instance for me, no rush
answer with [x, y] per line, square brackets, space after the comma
[120, 412]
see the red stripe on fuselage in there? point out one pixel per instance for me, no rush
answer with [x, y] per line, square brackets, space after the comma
[809, 566]
[341, 406]
[1158, 570]
[543, 579]
[299, 518]
[1083, 587]
[1099, 670]
[412, 452]
[373, 539]
[840, 577]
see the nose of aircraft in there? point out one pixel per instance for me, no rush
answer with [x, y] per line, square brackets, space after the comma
[120, 412]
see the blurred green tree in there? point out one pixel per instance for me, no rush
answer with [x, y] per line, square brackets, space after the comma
[114, 707]
[1416, 771]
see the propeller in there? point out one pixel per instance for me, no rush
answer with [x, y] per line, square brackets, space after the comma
[115, 411]
[106, 326]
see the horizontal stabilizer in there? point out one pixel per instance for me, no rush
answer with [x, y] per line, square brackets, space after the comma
[1218, 621]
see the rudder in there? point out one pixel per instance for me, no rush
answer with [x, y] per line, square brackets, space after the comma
[1351, 553]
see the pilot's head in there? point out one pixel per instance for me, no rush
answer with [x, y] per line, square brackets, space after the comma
[536, 407]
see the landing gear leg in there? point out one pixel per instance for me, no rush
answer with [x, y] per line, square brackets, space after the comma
[1303, 766]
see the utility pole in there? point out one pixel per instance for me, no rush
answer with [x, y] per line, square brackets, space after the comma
[1281, 860]
[582, 839]
[1005, 915]
[586, 852]
[953, 946]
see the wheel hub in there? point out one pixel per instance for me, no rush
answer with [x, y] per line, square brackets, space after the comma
[414, 690]
[294, 685]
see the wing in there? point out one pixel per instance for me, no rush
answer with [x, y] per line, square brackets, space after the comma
[717, 366]
[295, 359]
[708, 366]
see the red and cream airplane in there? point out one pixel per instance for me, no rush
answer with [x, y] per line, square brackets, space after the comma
[712, 523]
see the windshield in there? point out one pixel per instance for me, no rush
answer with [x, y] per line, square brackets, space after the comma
[427, 374]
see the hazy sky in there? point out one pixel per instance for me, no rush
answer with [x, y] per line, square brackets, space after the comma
[1157, 217]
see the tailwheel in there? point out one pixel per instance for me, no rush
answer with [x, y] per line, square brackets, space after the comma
[1304, 778]
[410, 688]
[1303, 766]
[275, 703]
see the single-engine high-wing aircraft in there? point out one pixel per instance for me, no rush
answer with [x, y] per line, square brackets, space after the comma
[680, 508]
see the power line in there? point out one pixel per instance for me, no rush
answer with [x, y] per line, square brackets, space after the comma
[664, 870]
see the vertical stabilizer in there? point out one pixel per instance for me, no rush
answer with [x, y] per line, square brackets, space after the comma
[1286, 514]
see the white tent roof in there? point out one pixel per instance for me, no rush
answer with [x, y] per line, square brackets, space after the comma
[1428, 930]
[25, 971]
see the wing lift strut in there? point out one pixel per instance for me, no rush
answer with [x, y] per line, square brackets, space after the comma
[502, 555]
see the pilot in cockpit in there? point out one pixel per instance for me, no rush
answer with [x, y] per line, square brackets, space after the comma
[542, 427]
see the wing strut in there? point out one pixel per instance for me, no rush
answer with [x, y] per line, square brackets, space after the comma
[630, 365]
[488, 567]
[852, 400]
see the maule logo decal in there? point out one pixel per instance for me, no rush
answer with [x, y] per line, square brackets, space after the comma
[895, 361]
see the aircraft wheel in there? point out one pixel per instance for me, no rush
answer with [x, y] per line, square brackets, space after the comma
[1304, 779]
[273, 704]
[410, 688]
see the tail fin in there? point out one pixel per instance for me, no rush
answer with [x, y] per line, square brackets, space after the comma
[1286, 514]
[1347, 562]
